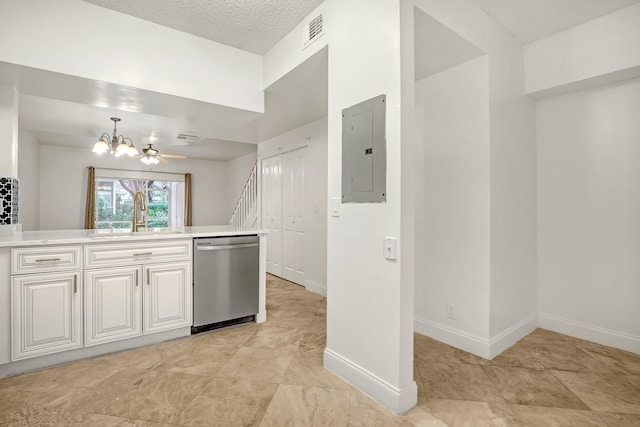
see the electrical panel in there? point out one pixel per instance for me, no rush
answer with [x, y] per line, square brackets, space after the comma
[364, 157]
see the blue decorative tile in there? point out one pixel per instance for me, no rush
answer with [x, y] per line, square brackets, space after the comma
[8, 201]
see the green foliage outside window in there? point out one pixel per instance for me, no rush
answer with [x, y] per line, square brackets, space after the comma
[115, 203]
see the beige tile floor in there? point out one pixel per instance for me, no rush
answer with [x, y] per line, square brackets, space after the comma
[272, 375]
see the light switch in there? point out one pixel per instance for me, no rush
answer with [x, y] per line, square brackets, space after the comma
[390, 248]
[335, 206]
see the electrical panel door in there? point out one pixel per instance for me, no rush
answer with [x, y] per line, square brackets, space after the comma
[364, 158]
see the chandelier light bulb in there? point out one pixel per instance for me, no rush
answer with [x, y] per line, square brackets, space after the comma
[131, 150]
[100, 147]
[123, 148]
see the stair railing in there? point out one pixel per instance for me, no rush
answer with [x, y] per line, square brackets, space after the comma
[245, 213]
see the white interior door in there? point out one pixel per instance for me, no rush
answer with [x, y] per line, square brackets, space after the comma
[271, 212]
[293, 218]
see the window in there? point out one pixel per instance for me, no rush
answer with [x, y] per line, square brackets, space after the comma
[164, 200]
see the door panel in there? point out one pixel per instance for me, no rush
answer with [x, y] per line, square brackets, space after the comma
[113, 306]
[46, 314]
[167, 297]
[293, 216]
[271, 212]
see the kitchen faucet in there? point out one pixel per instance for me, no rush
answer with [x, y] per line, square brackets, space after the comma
[138, 199]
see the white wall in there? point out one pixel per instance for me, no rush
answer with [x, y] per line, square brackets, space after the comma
[29, 176]
[314, 137]
[513, 198]
[369, 322]
[288, 53]
[81, 39]
[452, 207]
[238, 171]
[601, 50]
[8, 130]
[512, 291]
[63, 184]
[369, 325]
[588, 210]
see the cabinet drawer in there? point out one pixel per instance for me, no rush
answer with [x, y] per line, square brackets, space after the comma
[45, 259]
[104, 255]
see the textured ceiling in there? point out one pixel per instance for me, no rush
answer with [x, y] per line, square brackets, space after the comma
[251, 25]
[530, 20]
[257, 25]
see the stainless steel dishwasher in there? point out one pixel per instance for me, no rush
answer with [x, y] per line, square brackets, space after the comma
[225, 281]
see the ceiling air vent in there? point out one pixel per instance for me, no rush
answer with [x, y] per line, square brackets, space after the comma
[187, 138]
[313, 30]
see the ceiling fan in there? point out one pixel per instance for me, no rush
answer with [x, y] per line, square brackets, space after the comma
[151, 156]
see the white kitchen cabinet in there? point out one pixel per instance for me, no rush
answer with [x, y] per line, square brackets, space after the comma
[167, 297]
[46, 259]
[118, 255]
[47, 313]
[112, 304]
[148, 291]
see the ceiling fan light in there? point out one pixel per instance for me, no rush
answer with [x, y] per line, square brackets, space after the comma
[149, 160]
[100, 147]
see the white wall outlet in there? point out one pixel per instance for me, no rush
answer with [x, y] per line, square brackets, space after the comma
[335, 204]
[390, 248]
[451, 313]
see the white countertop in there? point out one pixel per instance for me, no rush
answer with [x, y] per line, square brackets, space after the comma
[62, 237]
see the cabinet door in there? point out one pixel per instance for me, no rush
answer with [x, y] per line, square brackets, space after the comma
[112, 304]
[46, 314]
[167, 297]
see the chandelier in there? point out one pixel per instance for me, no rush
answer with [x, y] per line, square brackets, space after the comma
[115, 144]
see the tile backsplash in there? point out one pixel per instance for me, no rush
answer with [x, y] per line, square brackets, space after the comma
[8, 201]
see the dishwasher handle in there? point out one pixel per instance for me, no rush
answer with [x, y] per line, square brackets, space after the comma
[205, 247]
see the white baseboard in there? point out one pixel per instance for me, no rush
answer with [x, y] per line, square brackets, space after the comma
[512, 335]
[589, 332]
[396, 400]
[261, 317]
[487, 349]
[315, 287]
[454, 337]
